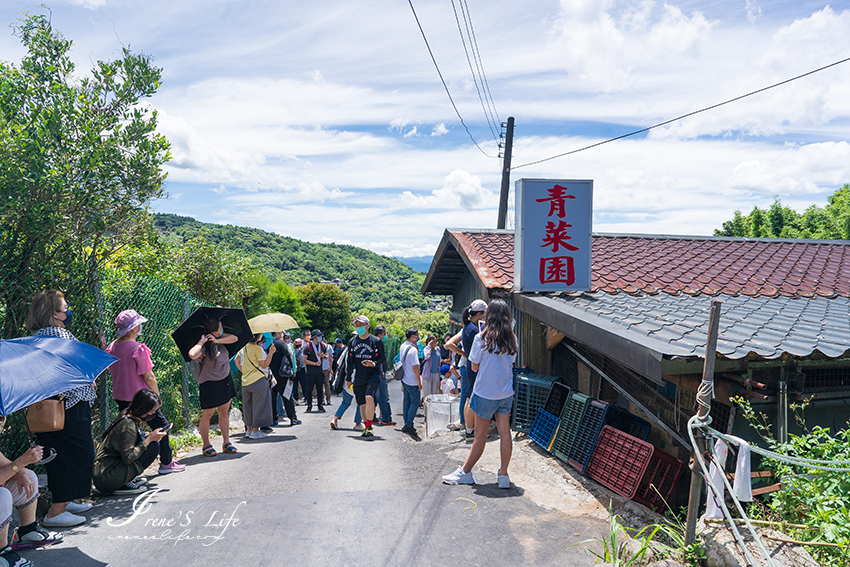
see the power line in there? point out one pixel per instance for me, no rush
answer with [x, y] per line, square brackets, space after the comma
[477, 53]
[422, 31]
[682, 116]
[490, 120]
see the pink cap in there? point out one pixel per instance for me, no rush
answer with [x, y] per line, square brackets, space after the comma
[128, 320]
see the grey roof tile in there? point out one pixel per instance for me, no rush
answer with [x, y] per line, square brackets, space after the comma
[763, 326]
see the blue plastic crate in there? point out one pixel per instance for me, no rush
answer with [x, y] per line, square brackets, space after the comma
[570, 420]
[543, 429]
[627, 422]
[530, 394]
[588, 432]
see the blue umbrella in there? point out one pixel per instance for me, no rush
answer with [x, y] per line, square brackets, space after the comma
[35, 368]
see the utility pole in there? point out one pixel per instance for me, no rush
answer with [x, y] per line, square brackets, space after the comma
[506, 174]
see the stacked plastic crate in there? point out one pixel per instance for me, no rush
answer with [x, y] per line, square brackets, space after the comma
[548, 418]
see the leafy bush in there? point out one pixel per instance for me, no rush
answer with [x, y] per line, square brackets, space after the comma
[810, 497]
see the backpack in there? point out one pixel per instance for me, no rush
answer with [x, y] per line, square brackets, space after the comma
[285, 370]
[398, 373]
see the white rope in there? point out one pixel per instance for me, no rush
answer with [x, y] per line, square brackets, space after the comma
[787, 459]
[693, 423]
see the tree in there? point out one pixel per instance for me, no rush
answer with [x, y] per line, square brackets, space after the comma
[80, 160]
[829, 223]
[326, 305]
[278, 297]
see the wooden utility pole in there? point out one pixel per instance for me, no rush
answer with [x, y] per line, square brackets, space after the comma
[703, 410]
[506, 174]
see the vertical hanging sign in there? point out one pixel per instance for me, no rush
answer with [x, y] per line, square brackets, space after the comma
[552, 242]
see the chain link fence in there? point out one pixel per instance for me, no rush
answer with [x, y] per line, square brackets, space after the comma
[95, 307]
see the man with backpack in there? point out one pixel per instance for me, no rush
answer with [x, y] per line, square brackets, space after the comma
[283, 369]
[313, 355]
[411, 382]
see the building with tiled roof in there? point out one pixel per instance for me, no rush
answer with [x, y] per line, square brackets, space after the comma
[785, 316]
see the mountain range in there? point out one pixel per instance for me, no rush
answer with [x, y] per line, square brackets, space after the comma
[372, 281]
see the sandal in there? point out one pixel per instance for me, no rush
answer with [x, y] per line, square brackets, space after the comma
[228, 448]
[209, 451]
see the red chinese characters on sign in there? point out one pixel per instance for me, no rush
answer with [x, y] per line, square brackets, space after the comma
[556, 236]
[557, 269]
[557, 198]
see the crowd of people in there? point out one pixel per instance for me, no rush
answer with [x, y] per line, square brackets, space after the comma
[307, 371]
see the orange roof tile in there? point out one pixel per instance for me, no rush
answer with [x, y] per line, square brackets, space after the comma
[689, 265]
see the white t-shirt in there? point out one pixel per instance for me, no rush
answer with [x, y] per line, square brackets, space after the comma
[409, 359]
[495, 377]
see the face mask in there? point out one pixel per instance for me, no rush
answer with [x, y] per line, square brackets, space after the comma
[151, 417]
[384, 338]
[287, 341]
[220, 332]
[69, 316]
[140, 330]
[361, 331]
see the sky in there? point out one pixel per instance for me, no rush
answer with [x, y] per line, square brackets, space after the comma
[327, 121]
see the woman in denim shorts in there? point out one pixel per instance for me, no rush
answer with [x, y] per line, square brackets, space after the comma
[492, 356]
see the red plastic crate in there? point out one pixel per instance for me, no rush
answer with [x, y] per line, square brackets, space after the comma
[619, 461]
[663, 473]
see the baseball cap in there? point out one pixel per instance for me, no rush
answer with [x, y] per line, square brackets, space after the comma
[477, 306]
[362, 319]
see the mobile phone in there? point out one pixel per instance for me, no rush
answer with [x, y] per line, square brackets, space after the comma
[167, 428]
[480, 325]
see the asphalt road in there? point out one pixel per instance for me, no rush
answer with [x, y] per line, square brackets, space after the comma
[308, 495]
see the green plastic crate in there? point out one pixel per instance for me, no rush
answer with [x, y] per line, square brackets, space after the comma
[570, 420]
[530, 394]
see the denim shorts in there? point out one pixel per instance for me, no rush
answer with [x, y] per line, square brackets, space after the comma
[486, 409]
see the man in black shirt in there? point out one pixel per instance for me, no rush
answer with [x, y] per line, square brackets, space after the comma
[365, 359]
[282, 348]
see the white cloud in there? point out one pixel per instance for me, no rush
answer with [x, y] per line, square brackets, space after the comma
[412, 132]
[89, 4]
[221, 190]
[461, 189]
[753, 11]
[440, 130]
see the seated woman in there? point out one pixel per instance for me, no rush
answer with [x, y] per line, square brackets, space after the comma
[19, 490]
[124, 452]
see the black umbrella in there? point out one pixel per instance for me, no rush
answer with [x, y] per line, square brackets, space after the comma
[233, 321]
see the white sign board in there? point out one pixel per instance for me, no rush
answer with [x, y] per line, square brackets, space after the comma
[552, 242]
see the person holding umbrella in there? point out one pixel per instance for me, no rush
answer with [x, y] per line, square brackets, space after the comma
[254, 362]
[69, 475]
[215, 388]
[134, 372]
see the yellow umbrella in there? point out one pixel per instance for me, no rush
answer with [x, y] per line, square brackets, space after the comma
[272, 323]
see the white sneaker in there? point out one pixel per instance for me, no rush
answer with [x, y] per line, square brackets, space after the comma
[257, 435]
[64, 520]
[459, 477]
[76, 508]
[504, 481]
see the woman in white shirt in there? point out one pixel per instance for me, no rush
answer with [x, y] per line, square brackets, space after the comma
[492, 356]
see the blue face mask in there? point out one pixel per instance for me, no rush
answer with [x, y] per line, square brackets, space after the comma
[360, 330]
[220, 332]
[69, 316]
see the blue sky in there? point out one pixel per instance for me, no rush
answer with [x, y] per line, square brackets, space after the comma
[326, 121]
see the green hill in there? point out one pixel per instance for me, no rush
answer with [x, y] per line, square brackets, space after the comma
[372, 281]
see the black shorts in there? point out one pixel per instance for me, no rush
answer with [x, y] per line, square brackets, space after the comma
[369, 388]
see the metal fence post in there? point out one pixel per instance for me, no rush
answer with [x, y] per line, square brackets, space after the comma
[184, 382]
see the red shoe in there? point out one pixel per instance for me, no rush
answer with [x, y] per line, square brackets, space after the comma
[387, 423]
